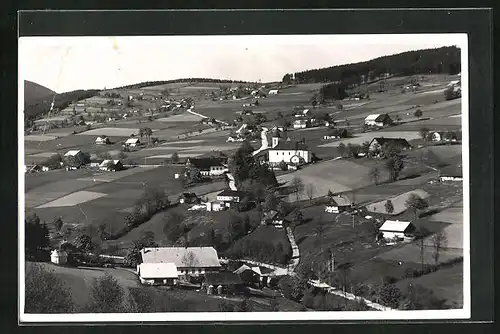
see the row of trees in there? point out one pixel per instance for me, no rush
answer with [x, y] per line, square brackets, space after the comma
[152, 201]
[440, 60]
[189, 80]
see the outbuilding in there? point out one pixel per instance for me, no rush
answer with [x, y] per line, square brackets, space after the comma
[379, 120]
[58, 257]
[397, 230]
[157, 273]
[338, 204]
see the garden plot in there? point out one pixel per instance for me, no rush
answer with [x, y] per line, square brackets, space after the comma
[114, 132]
[43, 155]
[368, 136]
[73, 199]
[187, 117]
[168, 156]
[113, 176]
[39, 138]
[398, 202]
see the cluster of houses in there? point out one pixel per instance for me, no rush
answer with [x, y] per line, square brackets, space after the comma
[190, 266]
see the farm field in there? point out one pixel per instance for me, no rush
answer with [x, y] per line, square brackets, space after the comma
[411, 253]
[73, 199]
[186, 117]
[447, 283]
[335, 175]
[397, 201]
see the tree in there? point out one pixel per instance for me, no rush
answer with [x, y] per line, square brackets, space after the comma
[310, 190]
[389, 207]
[415, 203]
[424, 132]
[342, 149]
[45, 292]
[36, 236]
[375, 174]
[298, 217]
[297, 186]
[283, 166]
[418, 113]
[244, 306]
[102, 229]
[271, 202]
[84, 243]
[58, 223]
[353, 150]
[106, 295]
[365, 147]
[224, 306]
[439, 241]
[194, 175]
[172, 227]
[148, 132]
[175, 158]
[390, 295]
[133, 256]
[394, 166]
[320, 232]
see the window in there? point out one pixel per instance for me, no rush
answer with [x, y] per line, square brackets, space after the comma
[289, 153]
[282, 153]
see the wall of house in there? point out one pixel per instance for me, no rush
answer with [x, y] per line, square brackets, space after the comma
[450, 178]
[218, 170]
[157, 281]
[277, 156]
[392, 235]
[228, 199]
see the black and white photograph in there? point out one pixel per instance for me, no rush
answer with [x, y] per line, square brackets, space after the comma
[303, 177]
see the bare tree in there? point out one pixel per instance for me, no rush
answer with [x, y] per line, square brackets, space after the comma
[310, 190]
[439, 242]
[297, 186]
[375, 174]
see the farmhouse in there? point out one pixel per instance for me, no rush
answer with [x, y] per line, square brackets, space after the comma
[222, 283]
[189, 198]
[216, 206]
[378, 120]
[208, 166]
[111, 165]
[337, 133]
[132, 142]
[451, 173]
[301, 124]
[230, 196]
[157, 273]
[273, 92]
[250, 276]
[58, 257]
[338, 204]
[377, 143]
[291, 152]
[74, 159]
[102, 140]
[193, 261]
[395, 229]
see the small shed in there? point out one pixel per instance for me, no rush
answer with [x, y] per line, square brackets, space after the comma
[395, 229]
[111, 165]
[58, 257]
[132, 142]
[228, 282]
[249, 275]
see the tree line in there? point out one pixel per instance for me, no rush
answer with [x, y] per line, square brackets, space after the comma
[155, 83]
[435, 61]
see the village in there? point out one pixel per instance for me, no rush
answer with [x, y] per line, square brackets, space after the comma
[282, 196]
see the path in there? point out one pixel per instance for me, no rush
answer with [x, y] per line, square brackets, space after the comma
[203, 116]
[294, 261]
[265, 143]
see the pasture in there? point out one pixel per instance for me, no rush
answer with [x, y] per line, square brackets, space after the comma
[411, 253]
[398, 202]
[186, 117]
[39, 138]
[114, 131]
[73, 199]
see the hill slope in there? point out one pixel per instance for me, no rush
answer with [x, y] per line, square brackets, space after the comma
[35, 92]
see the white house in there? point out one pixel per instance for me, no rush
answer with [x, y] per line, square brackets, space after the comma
[288, 151]
[215, 206]
[273, 92]
[193, 261]
[58, 257]
[208, 166]
[377, 143]
[338, 204]
[157, 273]
[378, 120]
[300, 124]
[111, 165]
[395, 229]
[132, 142]
[451, 173]
[230, 196]
[102, 140]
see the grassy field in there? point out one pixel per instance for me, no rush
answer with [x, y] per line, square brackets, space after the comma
[398, 202]
[447, 283]
[368, 136]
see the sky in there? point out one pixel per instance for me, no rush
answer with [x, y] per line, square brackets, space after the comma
[70, 63]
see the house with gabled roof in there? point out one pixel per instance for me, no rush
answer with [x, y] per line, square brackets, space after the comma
[194, 261]
[208, 166]
[338, 204]
[397, 230]
[291, 152]
[451, 173]
[102, 140]
[377, 143]
[157, 273]
[111, 165]
[379, 120]
[132, 142]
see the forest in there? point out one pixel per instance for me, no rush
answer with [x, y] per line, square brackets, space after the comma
[187, 80]
[430, 61]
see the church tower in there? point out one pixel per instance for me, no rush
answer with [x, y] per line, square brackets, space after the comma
[275, 138]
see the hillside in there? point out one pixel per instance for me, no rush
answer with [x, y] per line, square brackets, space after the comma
[434, 61]
[34, 92]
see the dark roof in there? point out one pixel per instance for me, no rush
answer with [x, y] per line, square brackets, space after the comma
[394, 141]
[223, 278]
[452, 171]
[291, 146]
[382, 117]
[189, 195]
[229, 192]
[205, 163]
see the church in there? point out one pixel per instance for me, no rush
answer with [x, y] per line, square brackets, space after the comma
[289, 151]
